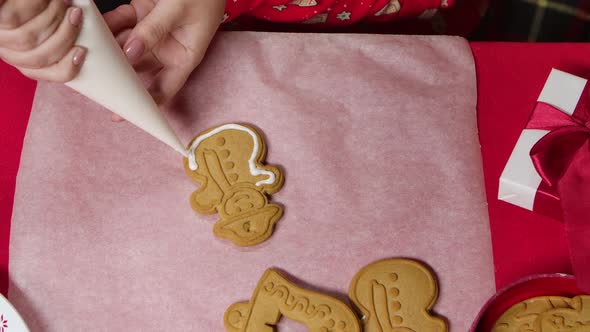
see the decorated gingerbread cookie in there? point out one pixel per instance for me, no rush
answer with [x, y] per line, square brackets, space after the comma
[275, 297]
[547, 314]
[227, 163]
[396, 295]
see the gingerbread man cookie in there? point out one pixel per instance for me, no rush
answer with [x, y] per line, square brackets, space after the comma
[396, 295]
[547, 314]
[275, 297]
[227, 163]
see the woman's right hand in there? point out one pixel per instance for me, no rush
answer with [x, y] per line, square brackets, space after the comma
[38, 38]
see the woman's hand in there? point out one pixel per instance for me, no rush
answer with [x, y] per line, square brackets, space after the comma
[166, 39]
[38, 37]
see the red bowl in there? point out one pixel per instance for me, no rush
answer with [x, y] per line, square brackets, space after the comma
[533, 286]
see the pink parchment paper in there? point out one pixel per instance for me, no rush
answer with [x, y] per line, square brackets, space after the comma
[377, 135]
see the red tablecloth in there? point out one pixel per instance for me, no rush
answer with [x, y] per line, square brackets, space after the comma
[510, 77]
[16, 99]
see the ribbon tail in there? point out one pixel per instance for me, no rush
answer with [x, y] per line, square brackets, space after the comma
[574, 189]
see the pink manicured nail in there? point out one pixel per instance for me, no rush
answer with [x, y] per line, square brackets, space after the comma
[79, 56]
[134, 49]
[76, 16]
[68, 2]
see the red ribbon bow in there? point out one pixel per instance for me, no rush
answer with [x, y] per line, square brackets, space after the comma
[562, 159]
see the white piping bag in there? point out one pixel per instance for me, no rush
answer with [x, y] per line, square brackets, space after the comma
[107, 78]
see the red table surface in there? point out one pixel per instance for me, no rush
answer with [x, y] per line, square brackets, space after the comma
[510, 77]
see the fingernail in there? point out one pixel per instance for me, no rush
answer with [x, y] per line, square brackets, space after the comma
[76, 16]
[79, 56]
[134, 49]
[68, 2]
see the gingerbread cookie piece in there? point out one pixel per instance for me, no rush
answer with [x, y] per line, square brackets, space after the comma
[227, 163]
[275, 297]
[522, 315]
[547, 314]
[576, 318]
[396, 295]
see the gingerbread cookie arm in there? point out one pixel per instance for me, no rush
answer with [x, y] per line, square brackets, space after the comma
[209, 205]
[279, 179]
[209, 195]
[269, 184]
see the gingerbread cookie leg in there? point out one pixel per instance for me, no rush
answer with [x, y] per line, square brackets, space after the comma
[275, 297]
[396, 295]
[227, 163]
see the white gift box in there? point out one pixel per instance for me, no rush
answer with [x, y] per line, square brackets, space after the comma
[520, 182]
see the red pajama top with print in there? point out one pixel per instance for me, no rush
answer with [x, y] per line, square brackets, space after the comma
[332, 12]
[454, 17]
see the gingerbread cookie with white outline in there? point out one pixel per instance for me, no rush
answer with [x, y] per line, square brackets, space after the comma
[227, 162]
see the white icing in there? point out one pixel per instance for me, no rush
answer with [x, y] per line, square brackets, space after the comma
[255, 171]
